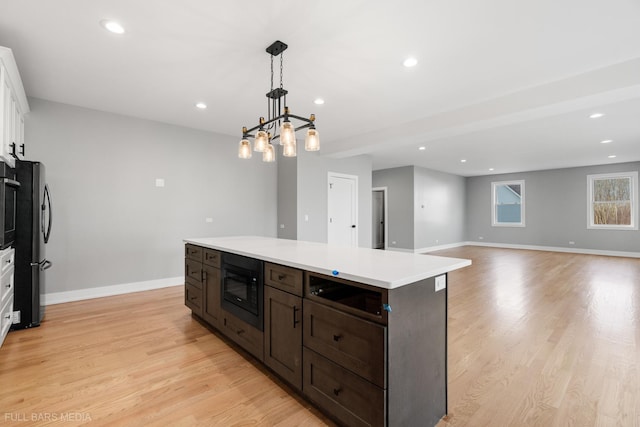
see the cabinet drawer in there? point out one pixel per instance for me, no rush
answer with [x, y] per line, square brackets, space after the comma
[7, 259]
[193, 252]
[193, 298]
[6, 318]
[212, 257]
[357, 344]
[243, 334]
[284, 278]
[6, 285]
[346, 396]
[193, 272]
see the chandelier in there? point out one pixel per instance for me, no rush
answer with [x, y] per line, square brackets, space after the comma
[278, 125]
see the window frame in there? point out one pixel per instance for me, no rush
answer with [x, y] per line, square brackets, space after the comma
[494, 211]
[633, 175]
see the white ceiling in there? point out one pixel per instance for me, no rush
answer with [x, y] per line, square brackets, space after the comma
[503, 84]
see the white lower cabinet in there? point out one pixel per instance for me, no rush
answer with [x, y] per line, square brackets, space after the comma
[7, 257]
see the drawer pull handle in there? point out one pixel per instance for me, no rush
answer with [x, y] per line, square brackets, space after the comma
[295, 320]
[240, 331]
[337, 338]
[193, 298]
[337, 391]
[281, 276]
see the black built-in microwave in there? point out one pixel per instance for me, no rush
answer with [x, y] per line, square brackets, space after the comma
[8, 200]
[242, 288]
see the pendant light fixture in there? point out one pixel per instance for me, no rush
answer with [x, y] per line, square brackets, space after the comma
[279, 122]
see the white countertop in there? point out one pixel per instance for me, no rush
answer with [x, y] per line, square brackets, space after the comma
[385, 269]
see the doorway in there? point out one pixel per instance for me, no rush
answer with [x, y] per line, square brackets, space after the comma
[342, 209]
[379, 220]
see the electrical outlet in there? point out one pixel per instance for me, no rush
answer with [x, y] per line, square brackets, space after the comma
[480, 238]
[16, 317]
[281, 225]
[441, 282]
[208, 220]
[159, 182]
[571, 242]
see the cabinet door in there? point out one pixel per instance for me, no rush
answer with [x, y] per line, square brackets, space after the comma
[211, 287]
[7, 115]
[283, 334]
[357, 344]
[19, 131]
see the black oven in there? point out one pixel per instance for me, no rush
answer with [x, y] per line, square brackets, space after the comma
[8, 199]
[243, 288]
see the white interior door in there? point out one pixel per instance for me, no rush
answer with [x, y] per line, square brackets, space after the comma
[343, 210]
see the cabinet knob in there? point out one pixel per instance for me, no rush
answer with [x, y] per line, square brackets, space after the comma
[337, 338]
[281, 276]
[337, 391]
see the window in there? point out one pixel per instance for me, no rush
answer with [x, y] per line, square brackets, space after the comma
[613, 201]
[507, 200]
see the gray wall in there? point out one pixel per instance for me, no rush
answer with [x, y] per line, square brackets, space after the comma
[111, 225]
[556, 211]
[400, 202]
[439, 208]
[313, 172]
[287, 196]
[426, 208]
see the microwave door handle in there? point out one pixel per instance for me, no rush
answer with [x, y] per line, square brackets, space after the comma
[47, 196]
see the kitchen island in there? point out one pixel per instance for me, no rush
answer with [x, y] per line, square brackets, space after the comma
[361, 333]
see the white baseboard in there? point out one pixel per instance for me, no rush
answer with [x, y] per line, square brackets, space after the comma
[439, 247]
[556, 249]
[389, 248]
[106, 291]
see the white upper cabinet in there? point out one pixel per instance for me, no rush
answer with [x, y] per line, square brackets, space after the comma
[13, 107]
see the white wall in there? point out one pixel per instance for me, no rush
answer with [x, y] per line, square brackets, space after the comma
[312, 194]
[111, 224]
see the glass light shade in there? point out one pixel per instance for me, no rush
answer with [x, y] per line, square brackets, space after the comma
[287, 134]
[289, 150]
[244, 149]
[269, 154]
[312, 141]
[261, 142]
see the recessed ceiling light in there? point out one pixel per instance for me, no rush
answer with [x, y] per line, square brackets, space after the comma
[201, 105]
[422, 148]
[596, 115]
[410, 62]
[463, 161]
[490, 169]
[318, 101]
[606, 141]
[112, 26]
[613, 156]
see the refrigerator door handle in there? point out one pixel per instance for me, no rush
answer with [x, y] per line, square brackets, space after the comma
[10, 182]
[47, 196]
[44, 265]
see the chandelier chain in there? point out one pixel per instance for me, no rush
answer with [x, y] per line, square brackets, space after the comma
[281, 68]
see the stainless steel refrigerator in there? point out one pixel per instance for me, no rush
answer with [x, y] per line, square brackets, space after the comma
[33, 228]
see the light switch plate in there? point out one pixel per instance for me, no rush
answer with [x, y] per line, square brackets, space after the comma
[441, 282]
[159, 182]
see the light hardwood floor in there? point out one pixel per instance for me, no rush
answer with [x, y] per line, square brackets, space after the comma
[535, 338]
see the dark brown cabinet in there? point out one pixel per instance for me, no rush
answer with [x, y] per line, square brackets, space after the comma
[339, 342]
[283, 334]
[243, 334]
[211, 295]
[202, 282]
